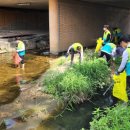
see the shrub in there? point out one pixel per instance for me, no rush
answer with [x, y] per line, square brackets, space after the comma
[117, 62]
[51, 82]
[117, 118]
[89, 54]
[72, 85]
[79, 82]
[66, 86]
[97, 72]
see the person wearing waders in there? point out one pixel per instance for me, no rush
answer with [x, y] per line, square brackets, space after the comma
[73, 49]
[106, 35]
[21, 51]
[125, 63]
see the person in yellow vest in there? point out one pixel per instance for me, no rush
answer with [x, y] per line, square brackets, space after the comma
[125, 63]
[21, 51]
[116, 35]
[106, 35]
[75, 48]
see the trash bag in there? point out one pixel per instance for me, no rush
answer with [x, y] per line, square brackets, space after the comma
[16, 58]
[119, 89]
[99, 44]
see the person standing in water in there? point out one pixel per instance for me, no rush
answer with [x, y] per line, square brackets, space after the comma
[21, 51]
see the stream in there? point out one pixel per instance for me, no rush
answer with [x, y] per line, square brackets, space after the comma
[10, 89]
[11, 77]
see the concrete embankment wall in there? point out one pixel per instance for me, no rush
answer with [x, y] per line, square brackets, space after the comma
[15, 22]
[79, 21]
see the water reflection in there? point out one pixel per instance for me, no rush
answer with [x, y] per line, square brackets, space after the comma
[11, 78]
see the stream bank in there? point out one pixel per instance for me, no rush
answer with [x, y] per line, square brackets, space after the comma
[35, 110]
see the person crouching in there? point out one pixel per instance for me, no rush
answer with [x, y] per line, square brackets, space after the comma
[75, 48]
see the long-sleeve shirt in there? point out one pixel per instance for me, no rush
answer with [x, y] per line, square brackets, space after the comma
[124, 61]
[117, 52]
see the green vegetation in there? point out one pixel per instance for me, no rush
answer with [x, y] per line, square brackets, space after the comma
[78, 83]
[65, 86]
[116, 118]
[117, 62]
[89, 54]
[97, 72]
[61, 60]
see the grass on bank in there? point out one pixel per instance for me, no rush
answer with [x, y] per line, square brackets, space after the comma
[79, 82]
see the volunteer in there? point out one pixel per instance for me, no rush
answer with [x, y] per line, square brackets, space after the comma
[106, 35]
[125, 63]
[21, 51]
[107, 51]
[75, 48]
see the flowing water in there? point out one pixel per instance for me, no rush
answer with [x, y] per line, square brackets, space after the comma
[11, 77]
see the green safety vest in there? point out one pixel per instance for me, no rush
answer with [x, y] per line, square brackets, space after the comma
[112, 45]
[118, 30]
[20, 45]
[128, 51]
[75, 45]
[106, 34]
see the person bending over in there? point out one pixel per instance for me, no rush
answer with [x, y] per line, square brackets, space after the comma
[75, 48]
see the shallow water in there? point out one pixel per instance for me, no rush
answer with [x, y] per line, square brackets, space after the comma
[73, 120]
[70, 120]
[11, 77]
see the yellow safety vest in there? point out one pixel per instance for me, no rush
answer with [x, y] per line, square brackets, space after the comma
[20, 45]
[75, 45]
[128, 51]
[106, 34]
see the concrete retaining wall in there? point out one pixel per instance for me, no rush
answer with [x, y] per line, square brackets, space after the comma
[40, 42]
[118, 17]
[80, 21]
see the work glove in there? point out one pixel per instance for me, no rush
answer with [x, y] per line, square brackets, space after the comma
[117, 73]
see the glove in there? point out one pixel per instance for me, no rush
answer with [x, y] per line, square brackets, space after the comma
[117, 73]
